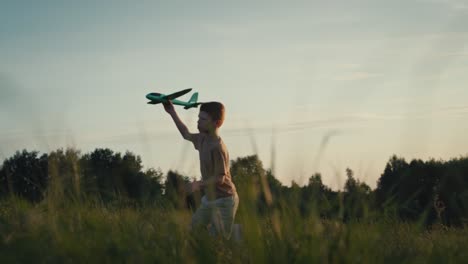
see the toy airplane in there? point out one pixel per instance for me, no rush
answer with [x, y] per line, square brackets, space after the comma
[157, 98]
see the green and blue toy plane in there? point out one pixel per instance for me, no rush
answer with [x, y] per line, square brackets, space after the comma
[156, 98]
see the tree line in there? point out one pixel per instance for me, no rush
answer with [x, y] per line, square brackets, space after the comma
[433, 191]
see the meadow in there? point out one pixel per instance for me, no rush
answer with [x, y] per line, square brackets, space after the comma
[76, 220]
[71, 232]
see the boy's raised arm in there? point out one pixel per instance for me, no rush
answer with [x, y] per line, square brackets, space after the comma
[169, 107]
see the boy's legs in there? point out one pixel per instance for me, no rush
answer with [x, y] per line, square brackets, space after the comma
[202, 216]
[224, 212]
[220, 213]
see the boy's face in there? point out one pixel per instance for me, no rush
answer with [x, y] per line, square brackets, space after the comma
[205, 122]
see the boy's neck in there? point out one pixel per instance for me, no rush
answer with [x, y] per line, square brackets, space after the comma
[213, 134]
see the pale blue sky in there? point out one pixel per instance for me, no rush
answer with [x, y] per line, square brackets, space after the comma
[368, 78]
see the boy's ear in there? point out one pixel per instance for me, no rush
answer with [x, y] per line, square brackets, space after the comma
[218, 123]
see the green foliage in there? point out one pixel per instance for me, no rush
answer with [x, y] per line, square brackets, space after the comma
[433, 190]
[66, 175]
[357, 198]
[25, 175]
[175, 190]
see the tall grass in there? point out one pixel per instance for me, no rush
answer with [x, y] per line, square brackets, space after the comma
[90, 232]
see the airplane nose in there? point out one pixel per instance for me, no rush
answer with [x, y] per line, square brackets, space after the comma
[148, 96]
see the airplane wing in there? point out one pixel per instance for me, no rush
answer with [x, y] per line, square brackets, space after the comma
[177, 94]
[153, 102]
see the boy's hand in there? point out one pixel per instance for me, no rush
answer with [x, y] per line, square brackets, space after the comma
[169, 107]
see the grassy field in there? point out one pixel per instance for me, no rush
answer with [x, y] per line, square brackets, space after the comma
[88, 232]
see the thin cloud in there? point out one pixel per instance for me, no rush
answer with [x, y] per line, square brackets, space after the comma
[351, 66]
[10, 93]
[456, 5]
[452, 54]
[357, 76]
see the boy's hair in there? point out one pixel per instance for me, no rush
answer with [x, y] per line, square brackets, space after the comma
[215, 110]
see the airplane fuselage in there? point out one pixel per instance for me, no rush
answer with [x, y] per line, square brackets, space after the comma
[156, 98]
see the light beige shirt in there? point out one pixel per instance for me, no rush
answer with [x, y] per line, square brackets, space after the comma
[214, 164]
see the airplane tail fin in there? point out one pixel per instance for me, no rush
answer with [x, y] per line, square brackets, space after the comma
[193, 99]
[193, 102]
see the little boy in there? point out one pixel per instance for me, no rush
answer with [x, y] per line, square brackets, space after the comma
[220, 201]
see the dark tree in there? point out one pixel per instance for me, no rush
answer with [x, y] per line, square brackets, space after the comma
[25, 175]
[175, 189]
